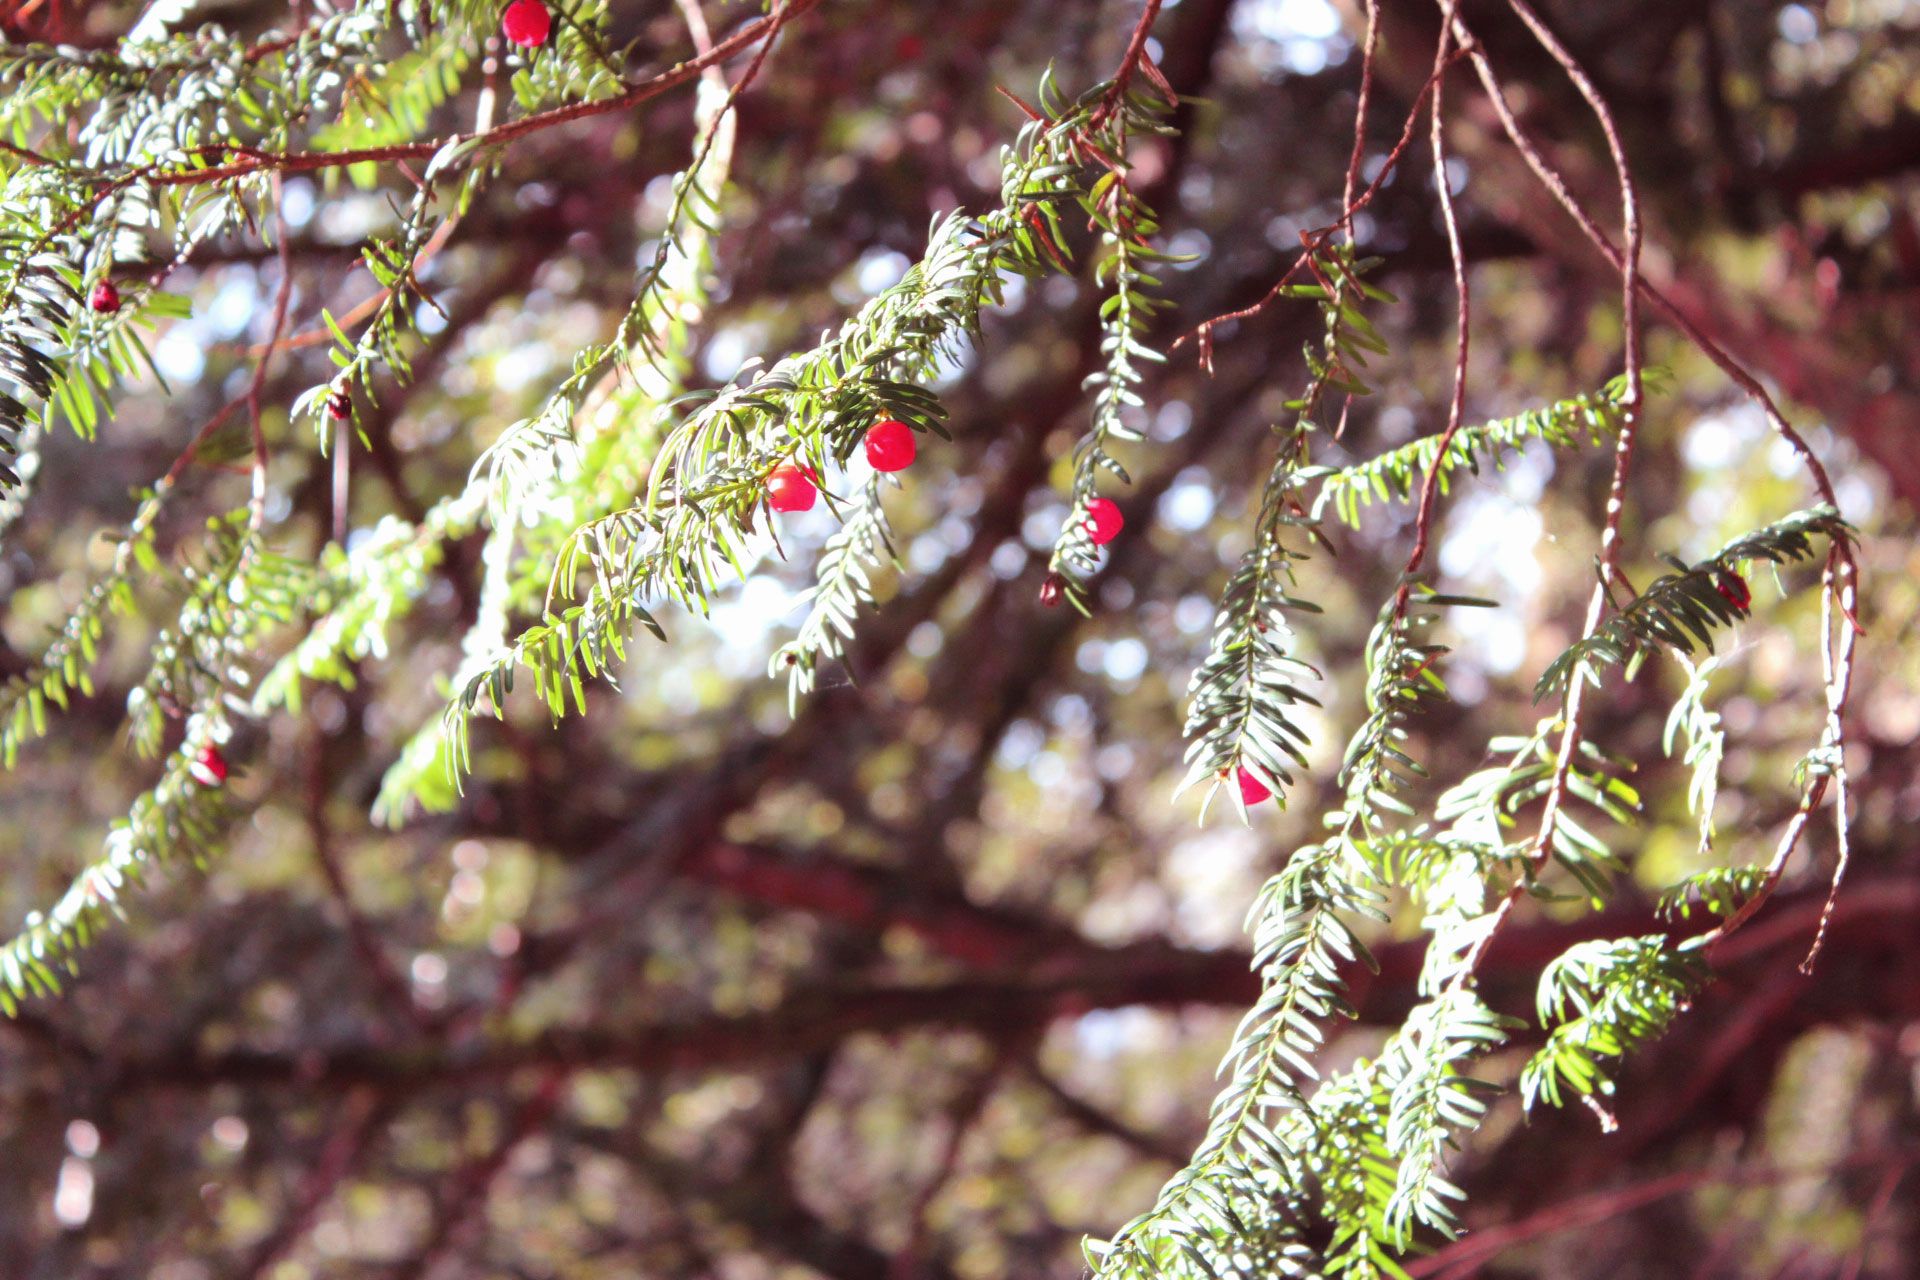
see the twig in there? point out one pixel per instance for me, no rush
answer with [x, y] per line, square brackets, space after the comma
[1876, 1210]
[1836, 660]
[1129, 62]
[320, 335]
[962, 1112]
[1456, 409]
[1841, 860]
[361, 1116]
[21, 153]
[1202, 334]
[472, 1182]
[364, 939]
[186, 458]
[1895, 898]
[1088, 1116]
[1629, 308]
[489, 96]
[698, 29]
[342, 479]
[1369, 54]
[1460, 1257]
[1837, 665]
[257, 506]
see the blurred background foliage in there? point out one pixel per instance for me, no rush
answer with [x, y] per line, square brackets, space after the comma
[929, 978]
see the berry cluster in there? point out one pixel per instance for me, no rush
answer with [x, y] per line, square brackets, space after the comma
[889, 445]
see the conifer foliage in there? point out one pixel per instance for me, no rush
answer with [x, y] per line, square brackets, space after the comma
[640, 493]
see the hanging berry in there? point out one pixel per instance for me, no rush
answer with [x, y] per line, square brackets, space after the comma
[890, 446]
[1733, 589]
[1252, 790]
[790, 488]
[339, 406]
[527, 23]
[1104, 521]
[209, 768]
[106, 298]
[1052, 587]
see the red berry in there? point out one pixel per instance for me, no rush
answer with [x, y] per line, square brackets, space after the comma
[526, 23]
[106, 298]
[1733, 589]
[790, 489]
[890, 446]
[1052, 587]
[1104, 521]
[209, 768]
[339, 406]
[1252, 790]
